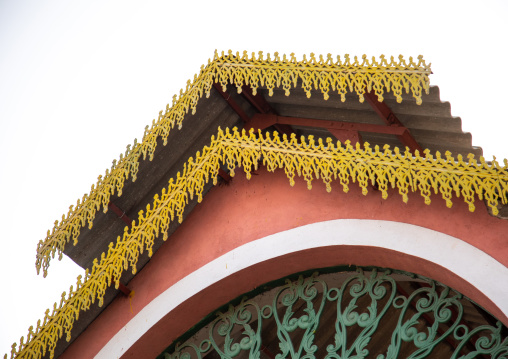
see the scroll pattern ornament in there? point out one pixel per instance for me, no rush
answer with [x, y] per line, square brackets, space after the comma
[320, 73]
[250, 335]
[346, 317]
[306, 158]
[307, 323]
[429, 323]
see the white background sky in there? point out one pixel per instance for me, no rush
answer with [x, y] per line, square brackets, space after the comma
[80, 80]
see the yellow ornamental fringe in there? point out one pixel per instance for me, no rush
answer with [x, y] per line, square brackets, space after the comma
[305, 158]
[325, 75]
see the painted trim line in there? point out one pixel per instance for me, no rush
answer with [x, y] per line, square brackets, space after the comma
[441, 249]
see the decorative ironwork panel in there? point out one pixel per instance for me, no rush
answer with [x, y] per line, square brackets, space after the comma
[373, 314]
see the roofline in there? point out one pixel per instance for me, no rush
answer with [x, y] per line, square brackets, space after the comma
[341, 75]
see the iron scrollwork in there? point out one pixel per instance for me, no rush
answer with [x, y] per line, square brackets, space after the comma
[429, 321]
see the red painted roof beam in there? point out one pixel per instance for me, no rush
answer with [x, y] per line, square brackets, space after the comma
[352, 136]
[224, 175]
[391, 120]
[124, 289]
[232, 103]
[259, 102]
[121, 214]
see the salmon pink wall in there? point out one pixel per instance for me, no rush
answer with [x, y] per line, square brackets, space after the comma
[243, 211]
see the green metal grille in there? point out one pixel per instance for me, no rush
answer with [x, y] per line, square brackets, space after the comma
[376, 313]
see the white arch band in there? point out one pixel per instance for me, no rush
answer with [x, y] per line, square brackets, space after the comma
[444, 250]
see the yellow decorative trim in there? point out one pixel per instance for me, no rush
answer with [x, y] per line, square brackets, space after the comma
[306, 158]
[322, 74]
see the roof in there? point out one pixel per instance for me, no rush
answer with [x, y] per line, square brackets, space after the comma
[158, 181]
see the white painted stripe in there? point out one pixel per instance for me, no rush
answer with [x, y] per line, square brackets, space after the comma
[461, 258]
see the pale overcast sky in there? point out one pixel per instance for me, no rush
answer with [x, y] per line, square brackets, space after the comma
[80, 80]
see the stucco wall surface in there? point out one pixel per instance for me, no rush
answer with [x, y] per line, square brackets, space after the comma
[234, 215]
